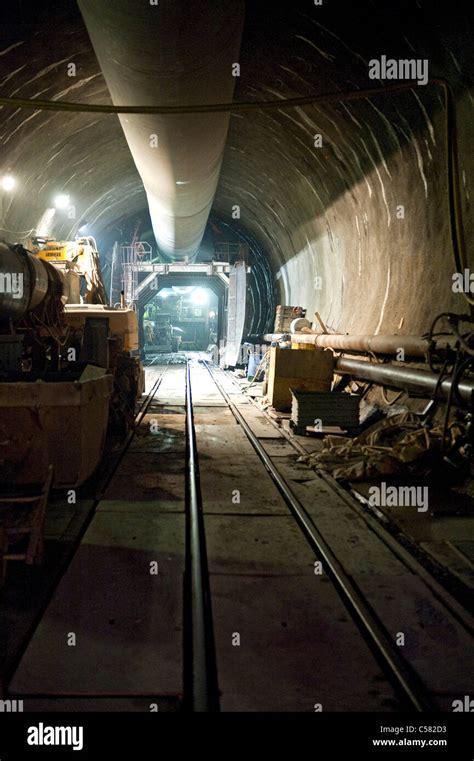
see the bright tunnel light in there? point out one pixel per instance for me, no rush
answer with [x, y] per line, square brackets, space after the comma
[8, 182]
[199, 296]
[61, 201]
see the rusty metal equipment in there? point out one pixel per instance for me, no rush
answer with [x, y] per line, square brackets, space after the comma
[64, 364]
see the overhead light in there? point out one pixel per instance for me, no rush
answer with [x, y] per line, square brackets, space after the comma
[61, 201]
[199, 297]
[8, 182]
[164, 293]
[183, 289]
[212, 315]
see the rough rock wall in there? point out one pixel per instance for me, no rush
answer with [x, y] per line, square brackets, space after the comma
[330, 216]
[328, 212]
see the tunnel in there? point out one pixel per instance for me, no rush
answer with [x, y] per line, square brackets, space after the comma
[235, 340]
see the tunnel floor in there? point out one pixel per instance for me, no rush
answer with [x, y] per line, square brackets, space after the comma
[109, 636]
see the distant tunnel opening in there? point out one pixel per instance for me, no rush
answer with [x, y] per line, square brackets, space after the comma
[182, 318]
[224, 242]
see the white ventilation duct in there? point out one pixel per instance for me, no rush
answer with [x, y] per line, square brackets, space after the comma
[175, 52]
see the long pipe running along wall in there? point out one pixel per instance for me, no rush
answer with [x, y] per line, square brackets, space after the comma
[411, 346]
[177, 52]
[413, 380]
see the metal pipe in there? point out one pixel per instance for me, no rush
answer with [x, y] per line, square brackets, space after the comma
[177, 52]
[412, 346]
[26, 281]
[15, 284]
[200, 669]
[410, 379]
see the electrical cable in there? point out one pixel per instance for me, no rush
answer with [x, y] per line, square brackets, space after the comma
[457, 377]
[21, 233]
[452, 159]
[449, 401]
[397, 396]
[440, 380]
[453, 320]
[209, 108]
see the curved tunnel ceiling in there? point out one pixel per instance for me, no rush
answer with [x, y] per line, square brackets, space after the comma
[356, 227]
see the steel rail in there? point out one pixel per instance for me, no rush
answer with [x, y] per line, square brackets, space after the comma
[377, 522]
[201, 691]
[401, 675]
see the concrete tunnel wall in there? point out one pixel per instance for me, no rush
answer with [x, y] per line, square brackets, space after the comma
[327, 212]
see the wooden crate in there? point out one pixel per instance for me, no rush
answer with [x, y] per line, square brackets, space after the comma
[331, 409]
[285, 315]
[289, 368]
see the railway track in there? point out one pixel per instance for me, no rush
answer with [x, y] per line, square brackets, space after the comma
[407, 684]
[398, 672]
[256, 608]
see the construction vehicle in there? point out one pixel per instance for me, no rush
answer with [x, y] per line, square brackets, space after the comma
[69, 363]
[82, 256]
[160, 335]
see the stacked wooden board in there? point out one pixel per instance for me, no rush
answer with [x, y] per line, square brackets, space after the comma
[322, 410]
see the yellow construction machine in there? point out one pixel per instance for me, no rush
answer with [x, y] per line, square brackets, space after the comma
[69, 363]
